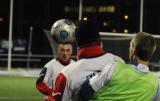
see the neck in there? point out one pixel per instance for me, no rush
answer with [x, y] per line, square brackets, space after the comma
[142, 62]
[65, 63]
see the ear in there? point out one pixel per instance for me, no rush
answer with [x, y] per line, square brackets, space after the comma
[133, 52]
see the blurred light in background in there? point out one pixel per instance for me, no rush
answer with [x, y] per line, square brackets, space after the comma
[114, 30]
[125, 30]
[67, 9]
[105, 23]
[104, 9]
[1, 19]
[91, 9]
[126, 17]
[85, 18]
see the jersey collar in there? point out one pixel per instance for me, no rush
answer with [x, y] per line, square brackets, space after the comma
[90, 52]
[142, 68]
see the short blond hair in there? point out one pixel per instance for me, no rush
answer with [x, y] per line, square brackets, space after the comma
[145, 45]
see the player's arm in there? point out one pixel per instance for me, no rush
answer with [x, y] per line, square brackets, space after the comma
[117, 58]
[41, 84]
[59, 87]
[93, 85]
[157, 97]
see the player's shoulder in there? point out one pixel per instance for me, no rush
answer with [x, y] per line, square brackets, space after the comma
[71, 67]
[114, 57]
[110, 55]
[72, 61]
[51, 63]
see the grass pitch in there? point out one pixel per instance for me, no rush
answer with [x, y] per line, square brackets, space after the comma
[19, 89]
[14, 88]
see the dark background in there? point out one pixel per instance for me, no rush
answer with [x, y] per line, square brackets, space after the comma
[41, 14]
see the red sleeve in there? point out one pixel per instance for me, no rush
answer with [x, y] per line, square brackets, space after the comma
[60, 86]
[42, 87]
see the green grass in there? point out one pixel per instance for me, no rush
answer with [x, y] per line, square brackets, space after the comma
[19, 89]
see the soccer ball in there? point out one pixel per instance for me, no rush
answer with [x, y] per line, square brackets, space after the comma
[63, 31]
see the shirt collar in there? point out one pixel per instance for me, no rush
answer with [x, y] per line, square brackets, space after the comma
[63, 63]
[90, 52]
[142, 68]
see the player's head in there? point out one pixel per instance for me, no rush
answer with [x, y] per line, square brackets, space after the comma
[142, 47]
[86, 33]
[64, 52]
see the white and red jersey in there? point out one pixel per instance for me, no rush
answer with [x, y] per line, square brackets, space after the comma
[48, 75]
[73, 76]
[54, 67]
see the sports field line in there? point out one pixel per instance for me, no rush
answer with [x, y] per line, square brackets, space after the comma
[19, 98]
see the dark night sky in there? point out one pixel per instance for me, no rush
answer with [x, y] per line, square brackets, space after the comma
[41, 14]
[44, 12]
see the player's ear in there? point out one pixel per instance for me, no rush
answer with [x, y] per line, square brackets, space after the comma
[133, 52]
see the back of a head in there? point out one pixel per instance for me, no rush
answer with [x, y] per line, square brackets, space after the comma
[87, 32]
[145, 46]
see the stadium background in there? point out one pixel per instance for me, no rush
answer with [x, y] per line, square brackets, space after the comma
[32, 20]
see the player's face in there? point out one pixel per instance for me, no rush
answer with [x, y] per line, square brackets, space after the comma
[64, 52]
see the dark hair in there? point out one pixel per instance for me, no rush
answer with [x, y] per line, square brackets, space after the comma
[145, 46]
[62, 44]
[87, 33]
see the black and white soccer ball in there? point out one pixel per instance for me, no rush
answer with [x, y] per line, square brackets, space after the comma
[63, 31]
